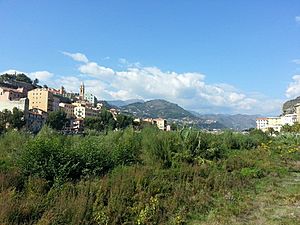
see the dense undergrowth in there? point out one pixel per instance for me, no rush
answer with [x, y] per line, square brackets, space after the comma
[129, 177]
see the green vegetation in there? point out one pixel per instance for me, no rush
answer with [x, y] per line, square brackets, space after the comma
[11, 119]
[144, 177]
[57, 120]
[157, 108]
[291, 129]
[106, 122]
[16, 77]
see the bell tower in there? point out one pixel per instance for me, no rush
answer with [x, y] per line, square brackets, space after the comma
[81, 94]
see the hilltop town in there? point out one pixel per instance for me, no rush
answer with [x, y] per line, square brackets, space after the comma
[37, 102]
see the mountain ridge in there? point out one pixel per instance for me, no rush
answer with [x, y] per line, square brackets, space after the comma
[175, 113]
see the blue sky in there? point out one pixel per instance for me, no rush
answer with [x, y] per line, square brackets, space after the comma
[209, 56]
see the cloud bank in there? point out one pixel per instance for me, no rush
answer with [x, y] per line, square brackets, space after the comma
[189, 89]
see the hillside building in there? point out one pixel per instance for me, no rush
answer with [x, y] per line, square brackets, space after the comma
[68, 109]
[42, 98]
[289, 119]
[35, 120]
[276, 123]
[161, 123]
[21, 104]
[262, 124]
[11, 94]
[83, 110]
[91, 99]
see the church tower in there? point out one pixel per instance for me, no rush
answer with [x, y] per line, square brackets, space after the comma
[81, 94]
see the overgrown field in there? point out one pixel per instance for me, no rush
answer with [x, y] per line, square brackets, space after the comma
[146, 177]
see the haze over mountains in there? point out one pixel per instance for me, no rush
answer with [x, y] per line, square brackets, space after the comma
[173, 112]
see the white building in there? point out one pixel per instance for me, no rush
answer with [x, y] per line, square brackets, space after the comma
[82, 111]
[262, 124]
[276, 122]
[22, 104]
[289, 119]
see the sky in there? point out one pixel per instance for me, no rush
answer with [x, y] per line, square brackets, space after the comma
[207, 56]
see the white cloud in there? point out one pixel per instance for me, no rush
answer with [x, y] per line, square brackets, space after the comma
[189, 90]
[94, 69]
[79, 57]
[293, 89]
[297, 18]
[41, 75]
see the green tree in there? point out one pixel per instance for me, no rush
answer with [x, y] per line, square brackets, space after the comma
[7, 77]
[5, 118]
[17, 119]
[123, 121]
[57, 119]
[103, 122]
[22, 77]
[94, 123]
[15, 77]
[36, 81]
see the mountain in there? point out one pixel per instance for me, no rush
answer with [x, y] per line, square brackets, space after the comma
[236, 122]
[174, 113]
[119, 103]
[156, 108]
[289, 106]
[105, 104]
[170, 111]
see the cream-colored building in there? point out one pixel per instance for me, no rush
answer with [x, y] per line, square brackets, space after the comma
[68, 109]
[161, 123]
[41, 98]
[275, 123]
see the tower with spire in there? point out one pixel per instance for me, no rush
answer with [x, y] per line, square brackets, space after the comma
[82, 90]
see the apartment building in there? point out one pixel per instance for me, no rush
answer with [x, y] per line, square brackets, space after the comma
[91, 98]
[83, 110]
[35, 120]
[11, 94]
[262, 124]
[42, 98]
[276, 123]
[68, 109]
[161, 123]
[289, 119]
